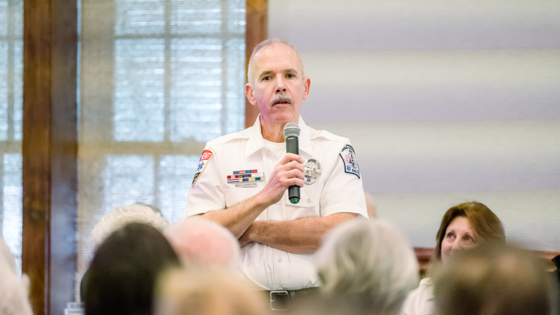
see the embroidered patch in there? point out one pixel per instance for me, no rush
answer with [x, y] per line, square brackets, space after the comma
[206, 154]
[348, 156]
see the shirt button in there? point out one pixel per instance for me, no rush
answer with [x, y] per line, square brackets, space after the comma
[279, 259]
[308, 200]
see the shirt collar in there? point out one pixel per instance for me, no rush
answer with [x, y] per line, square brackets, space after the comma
[256, 141]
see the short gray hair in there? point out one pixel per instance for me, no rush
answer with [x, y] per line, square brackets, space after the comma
[268, 42]
[368, 262]
[198, 240]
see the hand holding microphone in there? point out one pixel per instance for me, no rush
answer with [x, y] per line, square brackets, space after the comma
[288, 174]
[291, 133]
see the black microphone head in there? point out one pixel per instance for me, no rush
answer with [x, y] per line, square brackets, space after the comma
[291, 130]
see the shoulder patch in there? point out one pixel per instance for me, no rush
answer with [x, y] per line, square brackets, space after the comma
[348, 157]
[206, 154]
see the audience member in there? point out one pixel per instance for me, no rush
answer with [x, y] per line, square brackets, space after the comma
[367, 266]
[117, 218]
[123, 272]
[463, 226]
[13, 290]
[206, 291]
[494, 280]
[200, 241]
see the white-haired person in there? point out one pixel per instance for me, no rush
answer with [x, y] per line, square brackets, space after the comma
[366, 267]
[200, 241]
[118, 218]
[13, 289]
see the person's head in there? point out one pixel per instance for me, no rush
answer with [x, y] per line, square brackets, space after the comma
[369, 263]
[120, 216]
[277, 84]
[205, 291]
[494, 279]
[200, 241]
[465, 226]
[123, 272]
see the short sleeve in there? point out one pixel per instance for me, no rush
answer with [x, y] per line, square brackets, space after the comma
[343, 190]
[206, 193]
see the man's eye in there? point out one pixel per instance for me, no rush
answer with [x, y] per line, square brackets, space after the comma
[290, 76]
[266, 78]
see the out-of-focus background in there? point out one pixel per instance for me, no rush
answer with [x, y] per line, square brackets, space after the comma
[444, 102]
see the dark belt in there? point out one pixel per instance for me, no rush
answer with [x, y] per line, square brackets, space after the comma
[283, 300]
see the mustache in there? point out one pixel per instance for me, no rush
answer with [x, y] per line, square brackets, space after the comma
[282, 97]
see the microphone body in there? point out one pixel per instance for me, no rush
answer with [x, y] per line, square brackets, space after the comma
[291, 132]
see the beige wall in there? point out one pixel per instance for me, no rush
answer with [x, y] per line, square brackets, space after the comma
[444, 103]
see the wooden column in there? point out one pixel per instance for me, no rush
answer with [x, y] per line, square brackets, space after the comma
[49, 150]
[256, 31]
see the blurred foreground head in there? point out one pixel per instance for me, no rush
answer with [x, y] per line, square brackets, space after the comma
[200, 241]
[206, 291]
[369, 264]
[494, 279]
[123, 272]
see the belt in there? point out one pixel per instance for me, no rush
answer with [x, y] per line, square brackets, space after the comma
[283, 300]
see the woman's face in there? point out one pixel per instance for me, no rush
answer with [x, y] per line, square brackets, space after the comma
[458, 236]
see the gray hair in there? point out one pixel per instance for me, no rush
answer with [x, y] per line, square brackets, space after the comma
[369, 262]
[268, 42]
[197, 240]
[121, 216]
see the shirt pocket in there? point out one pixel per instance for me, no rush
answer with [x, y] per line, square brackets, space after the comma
[235, 195]
[308, 205]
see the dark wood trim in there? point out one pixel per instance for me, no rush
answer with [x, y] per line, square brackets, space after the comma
[49, 149]
[255, 32]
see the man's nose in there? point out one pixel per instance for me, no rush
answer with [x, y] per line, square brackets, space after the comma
[280, 86]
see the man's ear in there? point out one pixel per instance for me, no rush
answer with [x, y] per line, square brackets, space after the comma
[250, 94]
[306, 85]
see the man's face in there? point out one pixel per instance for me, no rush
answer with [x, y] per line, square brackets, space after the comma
[278, 87]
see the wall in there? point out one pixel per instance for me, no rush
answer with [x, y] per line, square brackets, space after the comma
[444, 102]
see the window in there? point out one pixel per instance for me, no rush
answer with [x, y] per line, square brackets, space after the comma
[11, 104]
[159, 78]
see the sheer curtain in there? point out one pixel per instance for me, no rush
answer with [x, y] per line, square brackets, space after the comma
[11, 109]
[159, 78]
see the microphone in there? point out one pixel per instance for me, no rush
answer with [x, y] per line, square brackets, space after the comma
[291, 132]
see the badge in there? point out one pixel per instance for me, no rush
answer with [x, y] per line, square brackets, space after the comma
[311, 171]
[245, 177]
[206, 154]
[348, 156]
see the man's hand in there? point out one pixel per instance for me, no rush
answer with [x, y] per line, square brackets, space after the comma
[244, 239]
[288, 172]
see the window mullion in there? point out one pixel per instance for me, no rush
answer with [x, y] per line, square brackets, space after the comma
[168, 71]
[224, 30]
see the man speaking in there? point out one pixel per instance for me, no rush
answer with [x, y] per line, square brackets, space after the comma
[243, 178]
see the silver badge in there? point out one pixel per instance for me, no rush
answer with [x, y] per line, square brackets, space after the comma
[312, 171]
